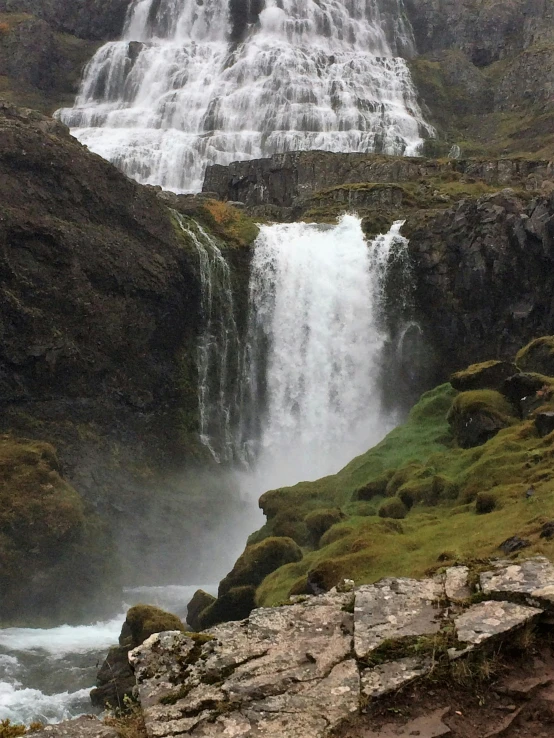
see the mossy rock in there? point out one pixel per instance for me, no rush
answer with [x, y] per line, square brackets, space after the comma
[259, 560]
[318, 522]
[485, 503]
[478, 415]
[401, 476]
[287, 524]
[393, 508]
[199, 602]
[487, 375]
[142, 621]
[236, 604]
[325, 575]
[47, 532]
[537, 356]
[375, 488]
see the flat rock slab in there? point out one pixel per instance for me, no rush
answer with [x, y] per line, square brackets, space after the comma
[385, 678]
[532, 579]
[395, 608]
[284, 671]
[427, 726]
[489, 619]
[86, 726]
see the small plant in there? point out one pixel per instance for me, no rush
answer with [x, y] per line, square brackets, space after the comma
[485, 503]
[4, 29]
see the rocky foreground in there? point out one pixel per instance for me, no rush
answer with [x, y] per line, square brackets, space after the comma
[320, 664]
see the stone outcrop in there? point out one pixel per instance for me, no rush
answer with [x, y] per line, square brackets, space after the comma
[286, 180]
[305, 668]
[86, 726]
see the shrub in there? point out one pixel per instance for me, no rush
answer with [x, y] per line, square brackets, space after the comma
[393, 508]
[485, 503]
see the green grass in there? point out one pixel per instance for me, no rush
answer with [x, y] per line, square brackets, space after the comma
[443, 482]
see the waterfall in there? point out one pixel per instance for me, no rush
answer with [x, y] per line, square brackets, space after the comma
[311, 394]
[218, 351]
[194, 82]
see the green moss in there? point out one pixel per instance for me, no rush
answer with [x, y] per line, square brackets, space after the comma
[199, 602]
[485, 503]
[258, 560]
[477, 415]
[537, 356]
[486, 375]
[393, 508]
[318, 522]
[230, 224]
[374, 488]
[145, 620]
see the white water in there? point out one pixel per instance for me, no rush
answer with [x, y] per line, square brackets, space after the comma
[47, 674]
[175, 94]
[218, 352]
[312, 399]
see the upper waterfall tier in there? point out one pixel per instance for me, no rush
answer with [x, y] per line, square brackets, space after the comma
[178, 92]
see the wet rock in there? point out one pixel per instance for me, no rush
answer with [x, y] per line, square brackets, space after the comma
[86, 726]
[532, 580]
[544, 423]
[521, 386]
[394, 608]
[489, 619]
[515, 543]
[199, 602]
[385, 678]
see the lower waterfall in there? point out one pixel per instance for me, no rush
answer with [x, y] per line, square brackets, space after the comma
[311, 378]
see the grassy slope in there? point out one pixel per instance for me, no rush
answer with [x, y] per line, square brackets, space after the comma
[366, 547]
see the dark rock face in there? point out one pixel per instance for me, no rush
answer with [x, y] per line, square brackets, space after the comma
[284, 180]
[91, 19]
[545, 423]
[99, 314]
[482, 275]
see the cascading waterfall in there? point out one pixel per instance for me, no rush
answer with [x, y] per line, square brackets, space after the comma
[218, 352]
[312, 397]
[178, 92]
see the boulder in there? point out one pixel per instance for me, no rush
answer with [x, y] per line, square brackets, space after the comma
[544, 423]
[199, 602]
[115, 679]
[259, 560]
[488, 375]
[394, 608]
[235, 604]
[531, 580]
[478, 415]
[537, 356]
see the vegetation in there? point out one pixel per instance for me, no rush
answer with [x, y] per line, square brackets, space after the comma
[537, 356]
[434, 486]
[228, 223]
[145, 620]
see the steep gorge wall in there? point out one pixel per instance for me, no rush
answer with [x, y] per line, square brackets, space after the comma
[99, 319]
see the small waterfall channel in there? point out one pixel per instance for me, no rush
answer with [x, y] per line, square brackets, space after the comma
[191, 84]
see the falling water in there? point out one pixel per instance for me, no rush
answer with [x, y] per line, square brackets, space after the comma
[312, 393]
[178, 91]
[218, 352]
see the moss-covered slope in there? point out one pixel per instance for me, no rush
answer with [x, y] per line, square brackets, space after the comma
[430, 492]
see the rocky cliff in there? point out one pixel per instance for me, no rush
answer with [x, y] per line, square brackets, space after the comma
[100, 312]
